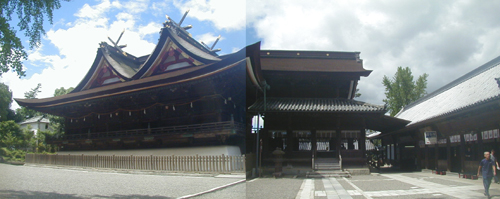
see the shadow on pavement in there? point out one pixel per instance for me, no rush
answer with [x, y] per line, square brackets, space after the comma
[7, 194]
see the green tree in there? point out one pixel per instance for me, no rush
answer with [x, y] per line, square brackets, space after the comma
[5, 101]
[401, 90]
[27, 113]
[14, 141]
[31, 15]
[357, 93]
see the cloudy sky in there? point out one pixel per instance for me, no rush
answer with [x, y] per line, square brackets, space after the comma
[445, 39]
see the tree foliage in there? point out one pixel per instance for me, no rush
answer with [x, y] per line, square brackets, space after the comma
[24, 112]
[31, 15]
[357, 94]
[5, 101]
[401, 90]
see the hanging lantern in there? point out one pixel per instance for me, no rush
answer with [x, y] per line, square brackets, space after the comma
[166, 107]
[129, 113]
[99, 116]
[173, 107]
[225, 101]
[191, 104]
[144, 111]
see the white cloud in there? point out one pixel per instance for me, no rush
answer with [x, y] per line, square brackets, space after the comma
[160, 8]
[208, 38]
[225, 15]
[445, 39]
[77, 45]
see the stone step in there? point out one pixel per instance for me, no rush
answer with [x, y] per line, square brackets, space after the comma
[327, 168]
[329, 174]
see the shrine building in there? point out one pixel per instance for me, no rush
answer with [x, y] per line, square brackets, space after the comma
[182, 94]
[451, 127]
[306, 99]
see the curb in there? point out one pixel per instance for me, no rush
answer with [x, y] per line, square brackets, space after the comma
[212, 190]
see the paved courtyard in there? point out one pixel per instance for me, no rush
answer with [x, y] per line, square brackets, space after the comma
[392, 185]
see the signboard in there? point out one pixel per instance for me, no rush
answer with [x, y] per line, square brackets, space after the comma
[454, 138]
[442, 141]
[470, 137]
[430, 137]
[490, 134]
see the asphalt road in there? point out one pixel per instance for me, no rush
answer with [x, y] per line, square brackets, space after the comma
[41, 182]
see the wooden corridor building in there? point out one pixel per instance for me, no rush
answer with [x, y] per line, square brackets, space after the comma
[463, 118]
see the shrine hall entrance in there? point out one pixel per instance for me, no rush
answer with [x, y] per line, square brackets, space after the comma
[310, 146]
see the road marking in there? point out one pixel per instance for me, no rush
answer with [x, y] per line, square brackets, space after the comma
[358, 189]
[330, 191]
[319, 193]
[211, 190]
[306, 189]
[341, 192]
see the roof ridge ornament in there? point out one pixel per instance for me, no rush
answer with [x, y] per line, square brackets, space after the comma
[119, 47]
[177, 28]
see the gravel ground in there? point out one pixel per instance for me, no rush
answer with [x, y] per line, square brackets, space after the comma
[39, 182]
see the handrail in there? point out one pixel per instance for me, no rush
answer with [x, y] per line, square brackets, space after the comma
[228, 125]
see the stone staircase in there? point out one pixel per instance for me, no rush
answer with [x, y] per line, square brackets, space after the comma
[327, 168]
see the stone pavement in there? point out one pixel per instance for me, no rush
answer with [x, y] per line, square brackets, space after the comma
[387, 185]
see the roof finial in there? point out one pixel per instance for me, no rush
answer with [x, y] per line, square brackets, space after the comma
[116, 44]
[213, 45]
[183, 17]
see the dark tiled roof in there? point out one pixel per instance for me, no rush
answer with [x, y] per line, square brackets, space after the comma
[35, 119]
[314, 105]
[474, 88]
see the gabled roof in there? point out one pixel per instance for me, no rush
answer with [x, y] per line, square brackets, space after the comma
[35, 119]
[474, 88]
[314, 105]
[175, 50]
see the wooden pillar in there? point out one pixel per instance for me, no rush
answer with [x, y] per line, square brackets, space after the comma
[436, 156]
[448, 154]
[338, 133]
[481, 148]
[462, 153]
[314, 147]
[361, 142]
[289, 141]
[426, 149]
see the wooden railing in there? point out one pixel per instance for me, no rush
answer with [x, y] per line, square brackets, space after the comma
[228, 125]
[210, 164]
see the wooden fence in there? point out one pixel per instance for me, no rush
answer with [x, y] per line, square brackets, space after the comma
[210, 164]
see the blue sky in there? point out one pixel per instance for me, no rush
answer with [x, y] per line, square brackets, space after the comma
[69, 47]
[444, 39]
